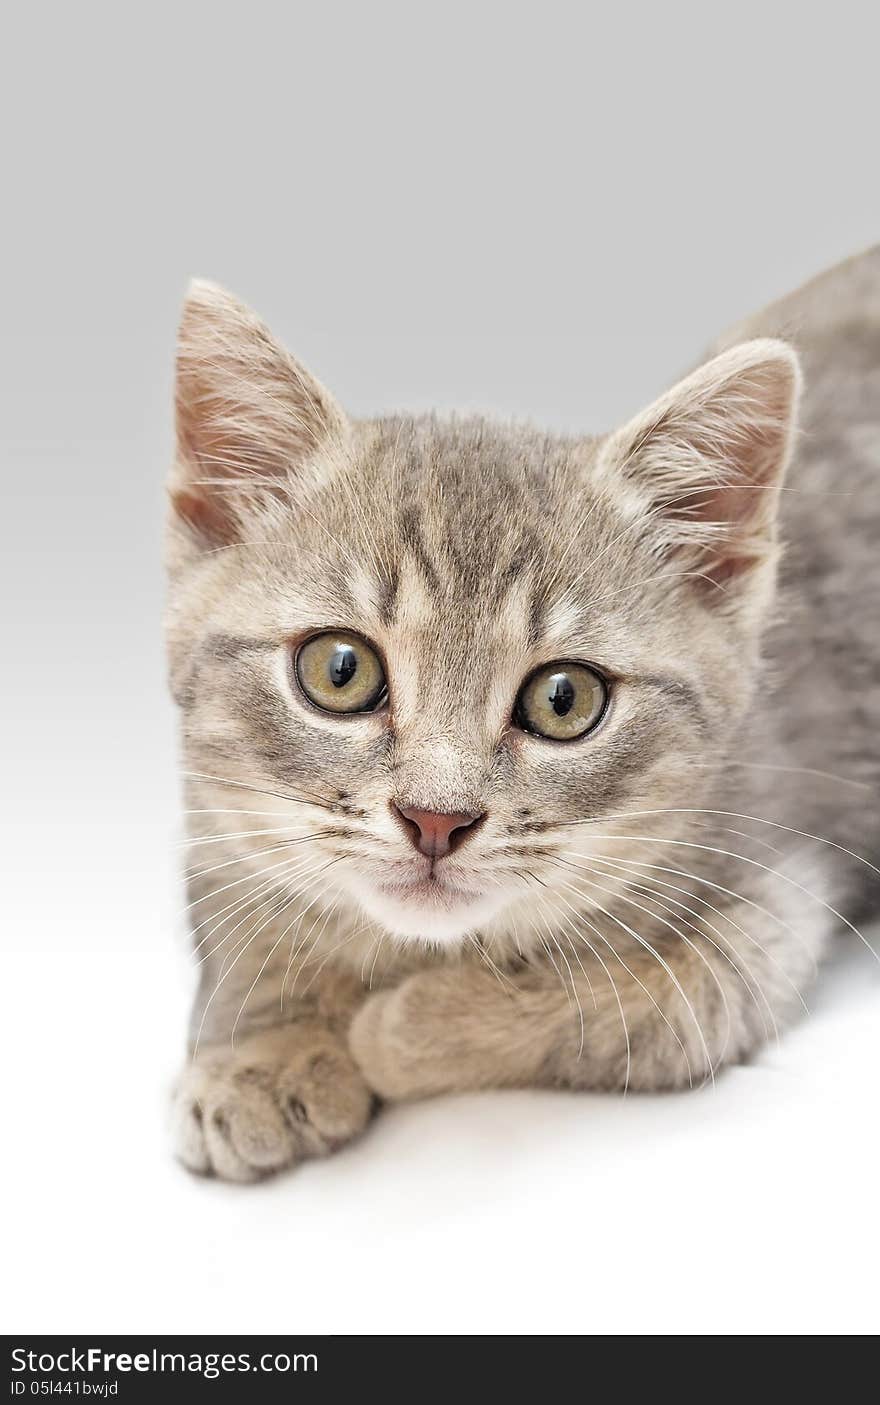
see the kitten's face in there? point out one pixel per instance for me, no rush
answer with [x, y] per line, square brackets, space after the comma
[451, 650]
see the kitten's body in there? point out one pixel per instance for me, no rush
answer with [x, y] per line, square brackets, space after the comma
[822, 709]
[624, 924]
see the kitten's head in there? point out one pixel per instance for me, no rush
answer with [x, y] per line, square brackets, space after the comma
[442, 657]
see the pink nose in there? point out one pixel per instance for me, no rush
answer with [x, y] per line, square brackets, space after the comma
[435, 834]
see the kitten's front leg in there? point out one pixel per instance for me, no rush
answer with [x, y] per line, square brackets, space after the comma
[285, 1089]
[451, 1029]
[646, 1019]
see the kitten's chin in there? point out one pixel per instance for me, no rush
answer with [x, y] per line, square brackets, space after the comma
[429, 913]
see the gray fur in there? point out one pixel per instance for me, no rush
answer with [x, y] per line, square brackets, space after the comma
[601, 944]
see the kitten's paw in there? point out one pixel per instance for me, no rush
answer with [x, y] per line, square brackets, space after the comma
[274, 1099]
[372, 1045]
[400, 1039]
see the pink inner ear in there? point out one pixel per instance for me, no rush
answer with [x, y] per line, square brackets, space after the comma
[739, 516]
[712, 459]
[248, 417]
[205, 516]
[207, 512]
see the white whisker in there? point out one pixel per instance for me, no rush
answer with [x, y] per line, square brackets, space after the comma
[730, 854]
[646, 945]
[271, 952]
[683, 873]
[647, 891]
[588, 944]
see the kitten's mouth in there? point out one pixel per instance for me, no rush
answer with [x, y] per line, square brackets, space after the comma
[428, 904]
[432, 890]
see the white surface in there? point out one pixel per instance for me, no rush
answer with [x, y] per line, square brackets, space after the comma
[748, 1210]
[545, 214]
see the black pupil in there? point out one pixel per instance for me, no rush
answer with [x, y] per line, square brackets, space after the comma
[561, 694]
[342, 666]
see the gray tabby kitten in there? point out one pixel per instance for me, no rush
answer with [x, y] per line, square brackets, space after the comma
[505, 751]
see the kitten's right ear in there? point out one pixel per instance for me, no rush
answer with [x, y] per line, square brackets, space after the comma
[252, 424]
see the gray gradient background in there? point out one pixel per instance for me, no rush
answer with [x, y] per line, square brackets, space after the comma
[437, 205]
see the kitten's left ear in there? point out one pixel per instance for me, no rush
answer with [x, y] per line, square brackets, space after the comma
[708, 459]
[253, 426]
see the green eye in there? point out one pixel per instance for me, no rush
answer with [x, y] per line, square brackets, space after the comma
[340, 672]
[562, 701]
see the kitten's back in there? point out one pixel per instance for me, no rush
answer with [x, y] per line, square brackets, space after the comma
[822, 710]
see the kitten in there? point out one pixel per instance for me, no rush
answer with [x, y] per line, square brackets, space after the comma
[503, 749]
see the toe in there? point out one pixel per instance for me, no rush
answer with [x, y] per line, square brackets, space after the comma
[326, 1097]
[226, 1161]
[188, 1135]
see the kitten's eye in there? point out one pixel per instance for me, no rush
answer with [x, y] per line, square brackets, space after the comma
[562, 701]
[340, 673]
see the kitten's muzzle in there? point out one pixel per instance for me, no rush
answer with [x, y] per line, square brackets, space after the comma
[434, 833]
